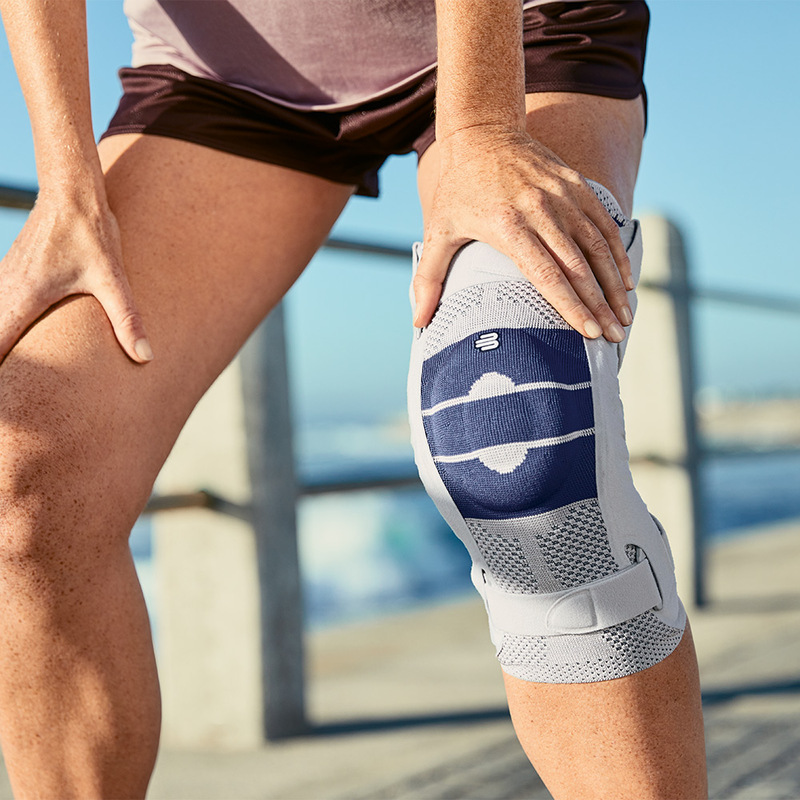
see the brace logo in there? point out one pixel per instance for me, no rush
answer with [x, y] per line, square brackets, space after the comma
[487, 341]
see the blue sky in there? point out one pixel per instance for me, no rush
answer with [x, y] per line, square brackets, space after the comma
[720, 158]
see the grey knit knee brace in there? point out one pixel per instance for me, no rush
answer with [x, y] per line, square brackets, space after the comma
[518, 434]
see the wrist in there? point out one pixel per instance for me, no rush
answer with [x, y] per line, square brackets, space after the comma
[66, 152]
[84, 193]
[462, 143]
[76, 180]
[481, 68]
[480, 123]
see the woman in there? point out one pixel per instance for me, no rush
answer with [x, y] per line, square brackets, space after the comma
[120, 234]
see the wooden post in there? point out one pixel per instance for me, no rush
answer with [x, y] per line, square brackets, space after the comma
[657, 388]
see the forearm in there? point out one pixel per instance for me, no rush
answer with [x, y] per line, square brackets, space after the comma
[47, 39]
[481, 72]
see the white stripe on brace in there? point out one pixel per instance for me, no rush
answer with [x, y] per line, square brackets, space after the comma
[488, 452]
[522, 387]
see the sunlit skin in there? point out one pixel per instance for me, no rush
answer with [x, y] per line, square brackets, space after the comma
[639, 737]
[88, 416]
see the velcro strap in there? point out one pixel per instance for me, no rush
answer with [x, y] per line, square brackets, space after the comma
[590, 607]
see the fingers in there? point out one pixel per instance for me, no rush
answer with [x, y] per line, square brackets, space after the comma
[592, 271]
[429, 279]
[543, 215]
[584, 244]
[609, 229]
[117, 300]
[576, 272]
[118, 305]
[567, 284]
[64, 250]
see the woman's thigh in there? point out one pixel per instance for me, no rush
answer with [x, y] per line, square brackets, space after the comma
[601, 137]
[211, 242]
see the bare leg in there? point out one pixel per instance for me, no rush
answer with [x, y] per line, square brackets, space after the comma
[211, 242]
[640, 737]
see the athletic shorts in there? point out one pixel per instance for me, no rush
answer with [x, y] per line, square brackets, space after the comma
[592, 47]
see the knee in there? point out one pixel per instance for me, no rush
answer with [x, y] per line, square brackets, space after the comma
[58, 450]
[502, 400]
[511, 428]
[505, 393]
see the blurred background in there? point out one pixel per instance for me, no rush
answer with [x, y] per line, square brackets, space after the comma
[720, 160]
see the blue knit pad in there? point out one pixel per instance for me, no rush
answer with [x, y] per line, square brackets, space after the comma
[490, 424]
[523, 416]
[527, 355]
[548, 479]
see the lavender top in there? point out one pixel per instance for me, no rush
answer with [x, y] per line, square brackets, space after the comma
[306, 54]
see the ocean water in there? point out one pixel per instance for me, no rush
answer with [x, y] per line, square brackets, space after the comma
[746, 491]
[368, 553]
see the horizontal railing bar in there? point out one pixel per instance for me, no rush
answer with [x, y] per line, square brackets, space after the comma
[790, 305]
[661, 461]
[327, 487]
[24, 198]
[770, 302]
[199, 499]
[213, 502]
[17, 197]
[373, 248]
[735, 451]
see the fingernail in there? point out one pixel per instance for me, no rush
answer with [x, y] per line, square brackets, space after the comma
[143, 350]
[593, 330]
[629, 284]
[615, 332]
[625, 316]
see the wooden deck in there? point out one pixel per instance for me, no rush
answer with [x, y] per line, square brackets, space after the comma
[412, 707]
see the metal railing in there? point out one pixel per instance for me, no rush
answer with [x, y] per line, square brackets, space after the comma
[17, 197]
[266, 417]
[14, 197]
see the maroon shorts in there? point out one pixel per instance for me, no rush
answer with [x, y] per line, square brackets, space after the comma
[594, 47]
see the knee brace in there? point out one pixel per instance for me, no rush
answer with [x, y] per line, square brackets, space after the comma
[518, 435]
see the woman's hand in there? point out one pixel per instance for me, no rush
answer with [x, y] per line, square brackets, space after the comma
[68, 248]
[499, 186]
[70, 243]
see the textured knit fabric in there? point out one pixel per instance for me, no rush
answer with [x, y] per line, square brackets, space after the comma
[338, 54]
[198, 78]
[301, 53]
[518, 433]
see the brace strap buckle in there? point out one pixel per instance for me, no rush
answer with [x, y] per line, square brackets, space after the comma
[586, 608]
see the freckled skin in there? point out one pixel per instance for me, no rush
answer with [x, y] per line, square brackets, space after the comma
[209, 243]
[639, 737]
[633, 738]
[84, 431]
